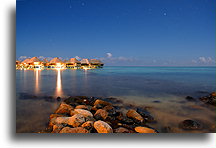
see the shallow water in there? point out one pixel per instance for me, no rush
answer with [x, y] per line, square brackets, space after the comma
[137, 85]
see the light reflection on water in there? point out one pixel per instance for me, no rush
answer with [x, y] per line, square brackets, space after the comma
[59, 91]
[37, 77]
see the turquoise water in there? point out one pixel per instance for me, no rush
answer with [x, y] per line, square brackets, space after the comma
[139, 85]
[112, 81]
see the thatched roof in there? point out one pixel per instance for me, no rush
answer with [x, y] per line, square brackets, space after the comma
[84, 61]
[34, 59]
[73, 60]
[56, 60]
[45, 61]
[95, 61]
[18, 62]
[26, 61]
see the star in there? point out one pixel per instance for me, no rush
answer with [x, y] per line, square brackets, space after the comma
[165, 14]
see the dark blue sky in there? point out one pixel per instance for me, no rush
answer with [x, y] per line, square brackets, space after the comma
[119, 32]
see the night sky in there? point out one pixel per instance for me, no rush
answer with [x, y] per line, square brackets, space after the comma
[119, 32]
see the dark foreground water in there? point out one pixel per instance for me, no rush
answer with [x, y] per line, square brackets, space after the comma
[163, 89]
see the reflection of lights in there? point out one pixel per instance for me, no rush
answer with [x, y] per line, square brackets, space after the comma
[58, 83]
[36, 81]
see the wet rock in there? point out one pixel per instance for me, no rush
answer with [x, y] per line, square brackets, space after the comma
[57, 128]
[59, 120]
[189, 98]
[101, 114]
[102, 127]
[141, 129]
[190, 125]
[86, 107]
[94, 109]
[84, 112]
[130, 127]
[119, 116]
[58, 98]
[121, 130]
[213, 94]
[134, 115]
[64, 109]
[88, 125]
[101, 102]
[76, 120]
[211, 100]
[156, 101]
[55, 115]
[126, 120]
[110, 109]
[74, 130]
[73, 101]
[146, 115]
[114, 123]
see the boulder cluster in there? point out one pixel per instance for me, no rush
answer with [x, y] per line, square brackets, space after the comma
[208, 100]
[94, 115]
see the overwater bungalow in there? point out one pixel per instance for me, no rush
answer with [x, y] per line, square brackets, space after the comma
[18, 64]
[25, 63]
[56, 63]
[35, 63]
[45, 62]
[73, 63]
[94, 63]
[85, 64]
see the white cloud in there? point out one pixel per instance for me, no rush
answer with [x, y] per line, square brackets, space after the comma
[206, 60]
[41, 57]
[202, 59]
[109, 55]
[77, 57]
[22, 58]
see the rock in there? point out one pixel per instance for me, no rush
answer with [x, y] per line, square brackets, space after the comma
[209, 100]
[57, 128]
[88, 125]
[55, 115]
[126, 120]
[76, 120]
[190, 125]
[141, 129]
[101, 114]
[64, 109]
[102, 127]
[146, 115]
[134, 115]
[74, 130]
[110, 109]
[58, 120]
[101, 102]
[189, 98]
[119, 116]
[156, 101]
[121, 130]
[114, 123]
[213, 94]
[58, 98]
[73, 101]
[86, 107]
[84, 112]
[98, 106]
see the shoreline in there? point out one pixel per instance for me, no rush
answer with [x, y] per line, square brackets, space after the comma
[81, 114]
